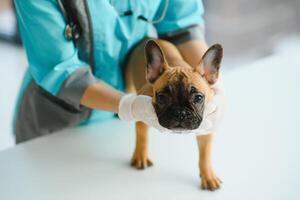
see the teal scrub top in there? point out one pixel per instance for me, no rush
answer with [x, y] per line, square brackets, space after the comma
[53, 59]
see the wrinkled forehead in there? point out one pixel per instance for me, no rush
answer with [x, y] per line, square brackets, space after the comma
[180, 80]
[176, 87]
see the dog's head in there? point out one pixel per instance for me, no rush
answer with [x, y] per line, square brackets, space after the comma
[181, 92]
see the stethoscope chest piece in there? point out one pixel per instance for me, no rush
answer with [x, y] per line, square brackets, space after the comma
[71, 32]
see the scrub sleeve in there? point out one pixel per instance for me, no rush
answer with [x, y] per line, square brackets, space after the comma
[56, 77]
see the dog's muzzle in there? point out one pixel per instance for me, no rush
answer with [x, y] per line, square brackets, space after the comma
[178, 118]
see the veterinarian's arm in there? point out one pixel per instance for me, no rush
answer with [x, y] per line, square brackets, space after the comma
[128, 106]
[53, 60]
[101, 96]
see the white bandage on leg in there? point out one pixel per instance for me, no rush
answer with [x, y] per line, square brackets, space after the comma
[125, 107]
[139, 108]
[213, 112]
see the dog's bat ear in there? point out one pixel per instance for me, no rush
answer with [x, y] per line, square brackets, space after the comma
[156, 62]
[211, 63]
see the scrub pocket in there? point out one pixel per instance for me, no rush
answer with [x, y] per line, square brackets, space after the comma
[41, 113]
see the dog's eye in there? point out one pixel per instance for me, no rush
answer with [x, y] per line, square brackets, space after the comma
[198, 98]
[161, 98]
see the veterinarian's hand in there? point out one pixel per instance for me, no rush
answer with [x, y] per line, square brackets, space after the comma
[213, 112]
[139, 108]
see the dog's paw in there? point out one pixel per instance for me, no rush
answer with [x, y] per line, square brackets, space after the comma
[209, 181]
[140, 160]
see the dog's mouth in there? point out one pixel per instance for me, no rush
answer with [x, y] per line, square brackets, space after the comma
[178, 126]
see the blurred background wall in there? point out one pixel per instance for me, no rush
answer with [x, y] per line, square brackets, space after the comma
[248, 29]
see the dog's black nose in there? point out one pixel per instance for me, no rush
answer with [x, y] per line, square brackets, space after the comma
[180, 114]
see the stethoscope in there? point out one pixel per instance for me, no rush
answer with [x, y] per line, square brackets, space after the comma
[71, 29]
[141, 17]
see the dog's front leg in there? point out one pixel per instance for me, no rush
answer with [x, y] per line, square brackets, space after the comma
[209, 181]
[140, 159]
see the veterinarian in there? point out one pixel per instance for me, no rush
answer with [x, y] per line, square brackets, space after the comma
[76, 52]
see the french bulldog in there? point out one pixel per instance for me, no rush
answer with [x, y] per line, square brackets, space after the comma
[179, 94]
